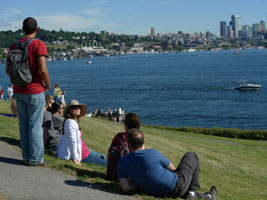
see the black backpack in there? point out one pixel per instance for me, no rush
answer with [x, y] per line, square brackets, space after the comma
[117, 149]
[20, 72]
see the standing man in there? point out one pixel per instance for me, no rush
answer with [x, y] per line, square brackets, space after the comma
[10, 92]
[30, 98]
[150, 170]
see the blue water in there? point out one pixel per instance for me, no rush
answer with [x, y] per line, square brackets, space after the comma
[175, 89]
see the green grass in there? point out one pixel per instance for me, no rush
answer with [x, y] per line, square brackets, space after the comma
[237, 167]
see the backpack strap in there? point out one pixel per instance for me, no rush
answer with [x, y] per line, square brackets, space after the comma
[26, 44]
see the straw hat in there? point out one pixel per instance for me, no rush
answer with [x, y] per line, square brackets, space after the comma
[75, 103]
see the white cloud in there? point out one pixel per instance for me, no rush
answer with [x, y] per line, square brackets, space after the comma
[8, 24]
[95, 11]
[65, 22]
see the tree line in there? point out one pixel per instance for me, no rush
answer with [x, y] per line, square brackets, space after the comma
[8, 37]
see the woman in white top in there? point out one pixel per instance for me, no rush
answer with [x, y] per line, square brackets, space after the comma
[71, 145]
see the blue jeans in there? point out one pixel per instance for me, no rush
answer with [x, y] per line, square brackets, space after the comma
[30, 109]
[96, 158]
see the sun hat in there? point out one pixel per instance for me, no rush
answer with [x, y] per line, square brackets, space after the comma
[75, 103]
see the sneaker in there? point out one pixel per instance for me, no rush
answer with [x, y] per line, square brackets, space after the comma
[212, 193]
[43, 164]
[191, 197]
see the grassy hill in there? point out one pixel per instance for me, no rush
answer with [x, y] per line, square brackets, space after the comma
[237, 167]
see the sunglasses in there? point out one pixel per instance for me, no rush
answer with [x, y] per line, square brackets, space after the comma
[75, 107]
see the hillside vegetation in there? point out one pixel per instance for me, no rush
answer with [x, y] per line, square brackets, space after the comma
[237, 167]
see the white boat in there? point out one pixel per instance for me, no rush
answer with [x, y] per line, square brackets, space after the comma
[244, 85]
[89, 62]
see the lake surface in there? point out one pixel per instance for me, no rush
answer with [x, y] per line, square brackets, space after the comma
[174, 89]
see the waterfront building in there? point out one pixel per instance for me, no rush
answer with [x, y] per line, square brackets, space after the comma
[223, 29]
[263, 26]
[202, 35]
[230, 32]
[256, 29]
[208, 34]
[236, 25]
[153, 34]
[247, 32]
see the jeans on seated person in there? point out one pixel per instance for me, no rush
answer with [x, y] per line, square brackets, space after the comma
[96, 158]
[188, 173]
[30, 109]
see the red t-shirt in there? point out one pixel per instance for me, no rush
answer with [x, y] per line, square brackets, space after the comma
[85, 151]
[36, 49]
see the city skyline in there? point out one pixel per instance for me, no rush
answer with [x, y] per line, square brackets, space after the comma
[132, 17]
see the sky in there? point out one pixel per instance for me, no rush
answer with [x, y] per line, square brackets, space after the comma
[131, 17]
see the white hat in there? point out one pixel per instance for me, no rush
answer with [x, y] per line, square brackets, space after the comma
[75, 103]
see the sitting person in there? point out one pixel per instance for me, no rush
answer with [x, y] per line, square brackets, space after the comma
[71, 146]
[119, 145]
[48, 102]
[47, 118]
[57, 113]
[52, 125]
[153, 172]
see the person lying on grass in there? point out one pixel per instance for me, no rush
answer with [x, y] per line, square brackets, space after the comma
[71, 145]
[150, 170]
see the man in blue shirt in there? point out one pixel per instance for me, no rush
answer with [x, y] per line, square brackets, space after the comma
[150, 170]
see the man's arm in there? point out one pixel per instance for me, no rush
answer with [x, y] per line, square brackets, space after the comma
[8, 67]
[44, 72]
[127, 185]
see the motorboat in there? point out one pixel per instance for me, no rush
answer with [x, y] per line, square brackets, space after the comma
[89, 62]
[244, 85]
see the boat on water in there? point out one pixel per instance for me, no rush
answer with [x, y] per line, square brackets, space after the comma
[89, 62]
[244, 85]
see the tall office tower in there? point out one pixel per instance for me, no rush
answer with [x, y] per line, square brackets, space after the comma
[263, 26]
[255, 29]
[230, 32]
[247, 32]
[153, 32]
[236, 24]
[223, 29]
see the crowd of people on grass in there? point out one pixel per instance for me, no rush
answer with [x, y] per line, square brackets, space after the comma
[47, 122]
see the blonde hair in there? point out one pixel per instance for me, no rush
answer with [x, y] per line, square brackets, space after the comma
[48, 99]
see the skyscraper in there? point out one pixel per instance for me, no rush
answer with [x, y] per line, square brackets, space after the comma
[223, 29]
[230, 32]
[247, 32]
[153, 32]
[256, 29]
[263, 26]
[236, 24]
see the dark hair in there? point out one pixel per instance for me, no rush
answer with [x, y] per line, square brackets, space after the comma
[69, 116]
[132, 121]
[56, 85]
[55, 106]
[135, 138]
[29, 25]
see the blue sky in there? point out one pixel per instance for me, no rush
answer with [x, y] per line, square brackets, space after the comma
[131, 16]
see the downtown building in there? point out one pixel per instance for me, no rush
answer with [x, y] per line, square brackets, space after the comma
[236, 25]
[223, 29]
